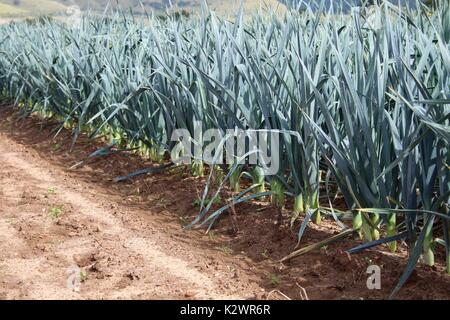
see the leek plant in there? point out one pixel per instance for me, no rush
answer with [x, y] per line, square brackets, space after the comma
[258, 179]
[366, 103]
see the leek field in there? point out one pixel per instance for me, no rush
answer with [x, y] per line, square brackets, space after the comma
[361, 99]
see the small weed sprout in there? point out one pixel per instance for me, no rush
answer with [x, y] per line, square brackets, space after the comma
[55, 212]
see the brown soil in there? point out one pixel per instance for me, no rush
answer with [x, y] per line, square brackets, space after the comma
[128, 237]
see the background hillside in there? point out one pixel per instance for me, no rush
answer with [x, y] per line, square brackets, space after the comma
[21, 8]
[162, 4]
[14, 8]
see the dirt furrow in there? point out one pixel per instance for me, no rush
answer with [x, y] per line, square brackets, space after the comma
[51, 224]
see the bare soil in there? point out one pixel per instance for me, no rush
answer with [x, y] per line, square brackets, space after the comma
[128, 238]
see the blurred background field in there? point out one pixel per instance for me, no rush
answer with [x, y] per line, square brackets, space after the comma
[22, 8]
[31, 8]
